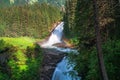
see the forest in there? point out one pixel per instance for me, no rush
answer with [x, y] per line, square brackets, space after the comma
[80, 22]
[92, 27]
[20, 28]
[22, 20]
[7, 3]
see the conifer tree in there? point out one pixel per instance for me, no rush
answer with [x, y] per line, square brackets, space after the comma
[98, 42]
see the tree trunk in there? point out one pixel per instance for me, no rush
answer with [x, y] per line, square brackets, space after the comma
[98, 46]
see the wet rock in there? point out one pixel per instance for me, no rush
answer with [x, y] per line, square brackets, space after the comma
[50, 59]
[63, 45]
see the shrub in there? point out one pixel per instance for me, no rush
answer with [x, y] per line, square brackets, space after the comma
[23, 63]
[87, 61]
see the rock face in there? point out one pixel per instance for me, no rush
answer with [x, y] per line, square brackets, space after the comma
[62, 45]
[50, 59]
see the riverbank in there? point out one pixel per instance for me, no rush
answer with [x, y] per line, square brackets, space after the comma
[52, 56]
[50, 59]
[20, 58]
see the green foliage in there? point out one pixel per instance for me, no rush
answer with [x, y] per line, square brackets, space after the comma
[28, 20]
[7, 3]
[112, 53]
[4, 3]
[74, 41]
[2, 28]
[87, 62]
[2, 46]
[58, 3]
[21, 42]
[23, 60]
[69, 17]
[84, 34]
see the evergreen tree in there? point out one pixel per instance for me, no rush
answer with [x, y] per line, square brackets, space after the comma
[70, 16]
[109, 22]
[98, 38]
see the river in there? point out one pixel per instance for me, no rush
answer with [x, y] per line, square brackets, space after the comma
[65, 68]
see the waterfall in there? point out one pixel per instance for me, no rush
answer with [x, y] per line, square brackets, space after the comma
[56, 36]
[64, 70]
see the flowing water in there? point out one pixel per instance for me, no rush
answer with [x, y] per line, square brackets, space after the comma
[65, 69]
[55, 37]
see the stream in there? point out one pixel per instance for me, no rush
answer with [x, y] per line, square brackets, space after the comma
[65, 68]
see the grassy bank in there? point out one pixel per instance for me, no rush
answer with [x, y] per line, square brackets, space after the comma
[20, 59]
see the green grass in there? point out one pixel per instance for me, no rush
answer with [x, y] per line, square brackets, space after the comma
[24, 56]
[21, 42]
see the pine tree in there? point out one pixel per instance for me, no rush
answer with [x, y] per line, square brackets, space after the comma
[70, 16]
[98, 38]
